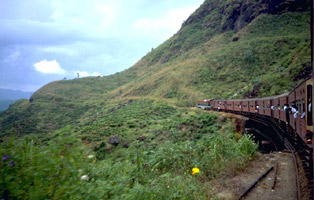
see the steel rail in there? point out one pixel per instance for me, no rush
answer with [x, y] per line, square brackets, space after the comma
[257, 181]
[296, 175]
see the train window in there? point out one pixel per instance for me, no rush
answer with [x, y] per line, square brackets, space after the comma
[309, 105]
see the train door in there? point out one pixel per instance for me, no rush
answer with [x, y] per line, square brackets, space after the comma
[284, 114]
[308, 111]
[272, 108]
[261, 107]
[299, 114]
[267, 105]
[256, 107]
[290, 120]
[276, 108]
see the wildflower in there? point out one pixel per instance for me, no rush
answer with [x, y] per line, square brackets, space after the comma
[12, 164]
[84, 178]
[195, 170]
[91, 156]
[5, 157]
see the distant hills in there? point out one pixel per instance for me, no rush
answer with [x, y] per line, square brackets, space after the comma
[8, 97]
[225, 49]
[14, 94]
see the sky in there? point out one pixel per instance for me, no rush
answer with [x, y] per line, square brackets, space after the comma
[43, 41]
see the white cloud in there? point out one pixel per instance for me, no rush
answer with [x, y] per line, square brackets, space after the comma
[85, 74]
[49, 67]
[168, 24]
[12, 57]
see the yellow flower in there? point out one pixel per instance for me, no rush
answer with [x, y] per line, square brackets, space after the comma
[195, 170]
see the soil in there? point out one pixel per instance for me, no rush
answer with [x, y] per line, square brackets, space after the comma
[285, 188]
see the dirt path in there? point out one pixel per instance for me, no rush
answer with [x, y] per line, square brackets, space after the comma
[285, 188]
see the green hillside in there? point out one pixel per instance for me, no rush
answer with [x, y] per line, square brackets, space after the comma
[225, 49]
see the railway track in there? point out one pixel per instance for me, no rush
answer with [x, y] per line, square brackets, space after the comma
[272, 181]
[296, 169]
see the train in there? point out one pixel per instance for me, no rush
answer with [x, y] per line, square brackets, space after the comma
[204, 104]
[292, 109]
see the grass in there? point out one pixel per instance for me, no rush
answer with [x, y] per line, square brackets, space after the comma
[52, 165]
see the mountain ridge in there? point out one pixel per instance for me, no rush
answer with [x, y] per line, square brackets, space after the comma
[8, 94]
[8, 97]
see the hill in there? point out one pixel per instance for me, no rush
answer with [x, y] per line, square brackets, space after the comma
[133, 135]
[223, 50]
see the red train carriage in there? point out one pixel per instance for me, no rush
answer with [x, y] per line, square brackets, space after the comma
[294, 108]
[230, 105]
[261, 106]
[303, 105]
[245, 105]
[219, 104]
[276, 106]
[291, 101]
[308, 110]
[215, 104]
[267, 106]
[223, 105]
[283, 100]
[238, 105]
[299, 105]
[252, 106]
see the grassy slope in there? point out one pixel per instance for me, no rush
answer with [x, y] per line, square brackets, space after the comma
[49, 166]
